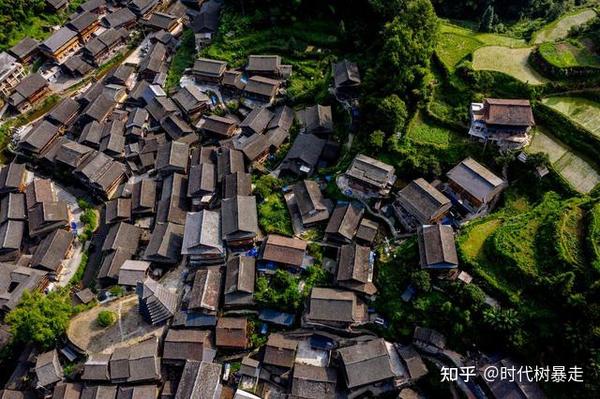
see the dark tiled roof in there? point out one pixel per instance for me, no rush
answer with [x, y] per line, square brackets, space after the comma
[366, 363]
[257, 120]
[262, 86]
[143, 196]
[345, 73]
[313, 382]
[12, 207]
[64, 111]
[82, 21]
[316, 119]
[328, 305]
[156, 303]
[229, 161]
[422, 200]
[284, 250]
[437, 247]
[475, 179]
[48, 369]
[240, 275]
[165, 243]
[206, 290]
[12, 177]
[120, 17]
[39, 137]
[235, 184]
[118, 209]
[218, 125]
[231, 332]
[508, 112]
[51, 252]
[371, 171]
[58, 39]
[202, 233]
[239, 217]
[124, 236]
[202, 180]
[24, 48]
[209, 68]
[344, 221]
[182, 345]
[264, 63]
[280, 351]
[199, 377]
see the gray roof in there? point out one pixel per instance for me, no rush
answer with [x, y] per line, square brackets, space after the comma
[202, 233]
[218, 125]
[58, 39]
[91, 134]
[176, 127]
[165, 243]
[344, 221]
[200, 380]
[39, 190]
[309, 197]
[64, 111]
[99, 108]
[99, 392]
[262, 86]
[257, 120]
[239, 217]
[24, 48]
[143, 196]
[328, 305]
[132, 271]
[14, 280]
[72, 153]
[11, 235]
[313, 382]
[206, 290]
[370, 171]
[475, 179]
[182, 345]
[316, 119]
[240, 275]
[48, 369]
[345, 73]
[152, 62]
[82, 21]
[96, 367]
[264, 63]
[280, 351]
[209, 68]
[51, 252]
[156, 303]
[47, 216]
[229, 161]
[122, 235]
[436, 247]
[306, 150]
[120, 17]
[118, 209]
[422, 200]
[12, 207]
[173, 155]
[189, 98]
[202, 180]
[39, 137]
[12, 177]
[172, 206]
[353, 263]
[30, 85]
[112, 262]
[235, 184]
[366, 363]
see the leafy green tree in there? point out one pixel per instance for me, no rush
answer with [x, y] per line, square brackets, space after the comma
[376, 139]
[40, 318]
[266, 185]
[421, 280]
[392, 113]
[106, 318]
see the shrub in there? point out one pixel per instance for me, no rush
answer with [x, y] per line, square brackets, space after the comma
[106, 318]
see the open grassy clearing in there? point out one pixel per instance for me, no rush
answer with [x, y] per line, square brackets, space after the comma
[456, 42]
[580, 173]
[424, 131]
[513, 62]
[569, 54]
[559, 29]
[580, 110]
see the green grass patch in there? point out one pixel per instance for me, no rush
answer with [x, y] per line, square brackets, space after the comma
[456, 42]
[511, 61]
[570, 234]
[569, 54]
[559, 29]
[35, 26]
[183, 59]
[273, 216]
[582, 111]
[427, 132]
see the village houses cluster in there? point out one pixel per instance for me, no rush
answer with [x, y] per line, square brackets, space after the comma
[180, 228]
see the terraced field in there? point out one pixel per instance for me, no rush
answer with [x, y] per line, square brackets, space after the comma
[570, 54]
[511, 61]
[581, 174]
[560, 28]
[456, 42]
[429, 133]
[580, 110]
[571, 234]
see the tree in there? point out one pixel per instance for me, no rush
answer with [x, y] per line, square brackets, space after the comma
[392, 113]
[408, 44]
[376, 139]
[40, 318]
[421, 280]
[106, 318]
[487, 20]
